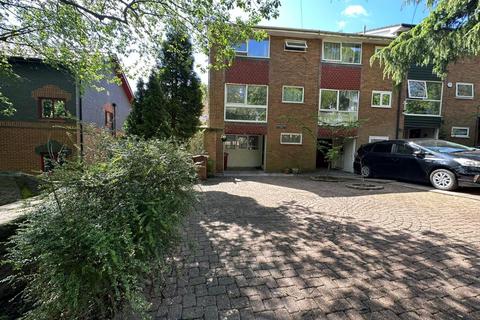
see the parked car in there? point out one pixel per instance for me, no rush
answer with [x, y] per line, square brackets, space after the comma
[446, 165]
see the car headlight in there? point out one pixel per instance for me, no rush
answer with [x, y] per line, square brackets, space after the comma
[468, 162]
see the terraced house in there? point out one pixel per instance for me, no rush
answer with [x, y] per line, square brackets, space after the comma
[49, 110]
[286, 93]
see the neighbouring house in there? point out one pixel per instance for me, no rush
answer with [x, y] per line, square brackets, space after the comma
[281, 96]
[50, 106]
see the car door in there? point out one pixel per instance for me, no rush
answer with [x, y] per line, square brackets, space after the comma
[407, 165]
[379, 159]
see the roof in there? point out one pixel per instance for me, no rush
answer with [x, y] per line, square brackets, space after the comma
[118, 72]
[314, 33]
[390, 31]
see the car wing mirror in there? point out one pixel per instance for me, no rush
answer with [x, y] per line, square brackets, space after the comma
[419, 154]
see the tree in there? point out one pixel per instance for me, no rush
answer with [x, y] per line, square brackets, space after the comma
[171, 103]
[77, 34]
[450, 32]
[180, 85]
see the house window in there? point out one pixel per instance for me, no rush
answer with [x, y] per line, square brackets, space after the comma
[417, 89]
[291, 138]
[292, 94]
[378, 48]
[424, 98]
[381, 99]
[246, 103]
[342, 52]
[377, 138]
[52, 108]
[49, 161]
[253, 48]
[460, 132]
[338, 107]
[231, 142]
[464, 90]
[109, 121]
[241, 142]
[296, 45]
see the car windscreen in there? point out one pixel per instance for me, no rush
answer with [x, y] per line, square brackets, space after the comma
[442, 146]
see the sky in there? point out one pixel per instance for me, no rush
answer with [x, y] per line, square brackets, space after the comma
[340, 15]
[335, 15]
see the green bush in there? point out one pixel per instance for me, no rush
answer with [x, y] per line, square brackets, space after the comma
[102, 228]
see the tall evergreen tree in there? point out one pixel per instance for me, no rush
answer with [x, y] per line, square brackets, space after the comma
[180, 85]
[170, 104]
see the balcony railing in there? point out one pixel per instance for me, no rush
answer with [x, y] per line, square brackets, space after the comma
[422, 107]
[337, 118]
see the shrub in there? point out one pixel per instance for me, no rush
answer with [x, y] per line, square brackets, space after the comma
[102, 228]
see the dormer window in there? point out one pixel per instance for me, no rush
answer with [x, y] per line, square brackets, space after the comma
[253, 48]
[296, 45]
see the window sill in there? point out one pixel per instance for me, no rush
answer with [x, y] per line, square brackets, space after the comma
[246, 121]
[54, 119]
[464, 98]
[382, 107]
[422, 115]
[463, 137]
[292, 102]
[340, 62]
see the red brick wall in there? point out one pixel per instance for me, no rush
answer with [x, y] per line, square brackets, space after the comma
[375, 121]
[340, 77]
[245, 128]
[461, 112]
[248, 71]
[18, 141]
[294, 69]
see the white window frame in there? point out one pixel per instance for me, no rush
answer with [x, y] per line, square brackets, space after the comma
[377, 138]
[426, 89]
[294, 143]
[338, 100]
[410, 98]
[378, 48]
[244, 105]
[382, 93]
[465, 84]
[305, 47]
[460, 135]
[295, 87]
[341, 46]
[245, 53]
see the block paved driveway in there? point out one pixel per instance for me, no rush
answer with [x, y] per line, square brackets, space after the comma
[292, 248]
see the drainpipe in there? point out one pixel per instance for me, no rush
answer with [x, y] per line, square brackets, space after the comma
[80, 120]
[399, 102]
[114, 120]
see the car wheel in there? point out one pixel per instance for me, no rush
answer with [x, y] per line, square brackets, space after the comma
[366, 172]
[443, 179]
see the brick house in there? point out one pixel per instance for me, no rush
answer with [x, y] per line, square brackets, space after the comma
[281, 96]
[49, 108]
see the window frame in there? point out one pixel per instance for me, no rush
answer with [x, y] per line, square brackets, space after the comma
[378, 48]
[294, 87]
[465, 97]
[245, 53]
[420, 99]
[381, 99]
[295, 46]
[282, 134]
[341, 54]
[460, 136]
[378, 138]
[338, 101]
[40, 108]
[244, 105]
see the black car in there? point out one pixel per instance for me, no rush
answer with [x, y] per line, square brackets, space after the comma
[444, 164]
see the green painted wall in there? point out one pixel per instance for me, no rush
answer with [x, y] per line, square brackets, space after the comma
[34, 75]
[422, 73]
